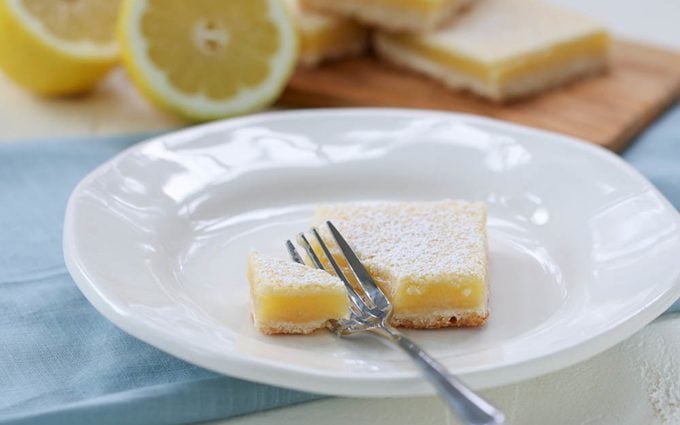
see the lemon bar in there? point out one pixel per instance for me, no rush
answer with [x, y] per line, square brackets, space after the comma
[429, 258]
[504, 49]
[394, 15]
[289, 298]
[324, 37]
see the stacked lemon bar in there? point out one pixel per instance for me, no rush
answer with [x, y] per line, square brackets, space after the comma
[394, 15]
[498, 49]
[324, 37]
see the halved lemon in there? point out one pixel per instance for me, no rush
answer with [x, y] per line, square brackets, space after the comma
[206, 59]
[58, 47]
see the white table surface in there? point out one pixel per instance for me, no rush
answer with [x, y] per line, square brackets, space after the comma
[635, 382]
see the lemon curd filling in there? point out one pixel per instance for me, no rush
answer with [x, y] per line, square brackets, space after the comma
[300, 307]
[429, 295]
[465, 293]
[291, 298]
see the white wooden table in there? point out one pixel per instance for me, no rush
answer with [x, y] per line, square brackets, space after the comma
[636, 382]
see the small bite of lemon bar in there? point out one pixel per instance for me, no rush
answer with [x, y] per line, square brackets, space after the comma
[504, 49]
[290, 298]
[324, 37]
[429, 258]
[394, 15]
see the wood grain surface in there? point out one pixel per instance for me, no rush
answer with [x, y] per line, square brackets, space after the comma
[608, 109]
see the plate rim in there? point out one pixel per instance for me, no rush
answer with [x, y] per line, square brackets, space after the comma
[408, 383]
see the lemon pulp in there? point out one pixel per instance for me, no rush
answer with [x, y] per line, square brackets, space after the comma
[207, 59]
[57, 47]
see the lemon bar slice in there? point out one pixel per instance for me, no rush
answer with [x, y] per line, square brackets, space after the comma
[394, 15]
[289, 298]
[429, 258]
[324, 37]
[504, 49]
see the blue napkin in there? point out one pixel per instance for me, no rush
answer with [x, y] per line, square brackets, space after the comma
[63, 363]
[656, 154]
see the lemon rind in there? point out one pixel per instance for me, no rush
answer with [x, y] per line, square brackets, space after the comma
[88, 50]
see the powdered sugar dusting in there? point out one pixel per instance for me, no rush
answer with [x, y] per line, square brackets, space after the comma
[276, 273]
[422, 240]
[500, 30]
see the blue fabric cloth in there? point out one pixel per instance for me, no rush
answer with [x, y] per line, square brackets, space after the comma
[656, 154]
[63, 363]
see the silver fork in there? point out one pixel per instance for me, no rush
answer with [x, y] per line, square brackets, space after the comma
[370, 311]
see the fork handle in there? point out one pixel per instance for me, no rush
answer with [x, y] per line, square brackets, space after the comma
[468, 406]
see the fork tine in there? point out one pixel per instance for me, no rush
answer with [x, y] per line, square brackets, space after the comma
[353, 295]
[293, 252]
[372, 290]
[302, 240]
[296, 257]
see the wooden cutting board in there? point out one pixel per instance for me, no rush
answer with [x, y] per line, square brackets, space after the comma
[608, 110]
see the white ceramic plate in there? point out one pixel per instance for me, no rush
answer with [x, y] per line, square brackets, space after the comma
[583, 250]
